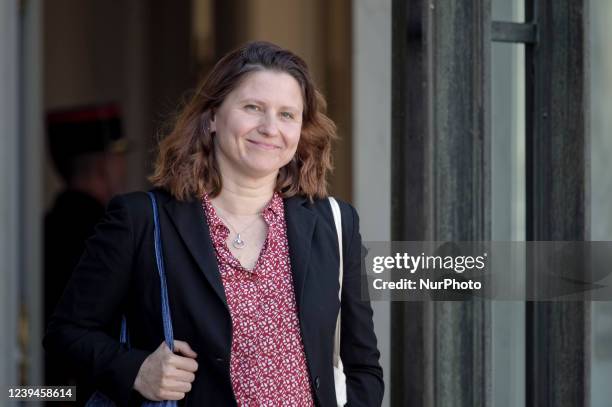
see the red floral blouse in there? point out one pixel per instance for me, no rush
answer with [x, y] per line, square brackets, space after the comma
[267, 362]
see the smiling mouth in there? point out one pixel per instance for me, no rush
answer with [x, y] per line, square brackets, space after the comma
[264, 146]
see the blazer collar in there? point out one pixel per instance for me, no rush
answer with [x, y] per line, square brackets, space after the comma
[190, 221]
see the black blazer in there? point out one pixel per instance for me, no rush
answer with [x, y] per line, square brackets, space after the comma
[117, 275]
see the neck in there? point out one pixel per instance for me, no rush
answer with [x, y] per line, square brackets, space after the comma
[242, 194]
[244, 197]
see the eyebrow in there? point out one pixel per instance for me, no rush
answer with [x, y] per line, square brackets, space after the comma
[259, 101]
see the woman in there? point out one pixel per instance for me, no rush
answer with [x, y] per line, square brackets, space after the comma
[251, 256]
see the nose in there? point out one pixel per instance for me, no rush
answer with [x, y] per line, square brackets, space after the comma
[268, 125]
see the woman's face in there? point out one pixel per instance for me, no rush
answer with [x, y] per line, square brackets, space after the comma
[258, 125]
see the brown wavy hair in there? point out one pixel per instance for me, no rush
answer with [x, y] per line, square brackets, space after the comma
[186, 165]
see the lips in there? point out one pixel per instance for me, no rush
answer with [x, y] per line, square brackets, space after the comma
[263, 146]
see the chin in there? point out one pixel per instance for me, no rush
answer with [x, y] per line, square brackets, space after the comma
[259, 171]
[263, 167]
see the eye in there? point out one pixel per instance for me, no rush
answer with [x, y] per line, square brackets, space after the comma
[287, 115]
[252, 107]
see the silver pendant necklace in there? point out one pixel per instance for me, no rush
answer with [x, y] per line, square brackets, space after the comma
[238, 242]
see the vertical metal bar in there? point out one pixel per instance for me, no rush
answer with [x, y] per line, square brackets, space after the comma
[411, 198]
[462, 191]
[441, 191]
[530, 83]
[31, 174]
[558, 334]
[9, 191]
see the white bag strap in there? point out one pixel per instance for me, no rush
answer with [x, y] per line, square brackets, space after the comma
[338, 221]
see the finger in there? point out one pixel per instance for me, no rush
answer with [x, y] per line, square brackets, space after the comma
[171, 395]
[164, 349]
[184, 363]
[184, 348]
[175, 386]
[182, 375]
[162, 346]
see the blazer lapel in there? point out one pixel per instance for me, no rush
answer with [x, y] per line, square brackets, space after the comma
[190, 221]
[300, 229]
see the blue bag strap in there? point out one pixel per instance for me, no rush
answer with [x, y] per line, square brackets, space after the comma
[159, 258]
[123, 335]
[168, 334]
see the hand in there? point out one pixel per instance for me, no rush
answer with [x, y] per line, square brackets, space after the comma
[165, 375]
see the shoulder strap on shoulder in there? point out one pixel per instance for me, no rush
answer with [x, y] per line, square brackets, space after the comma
[159, 260]
[338, 221]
